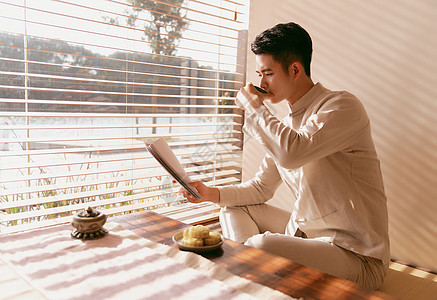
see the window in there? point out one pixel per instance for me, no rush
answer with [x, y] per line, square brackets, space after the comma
[86, 84]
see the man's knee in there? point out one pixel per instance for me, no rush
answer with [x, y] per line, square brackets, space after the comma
[260, 241]
[229, 213]
[233, 209]
[237, 224]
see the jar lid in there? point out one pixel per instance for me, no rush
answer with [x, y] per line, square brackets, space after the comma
[88, 213]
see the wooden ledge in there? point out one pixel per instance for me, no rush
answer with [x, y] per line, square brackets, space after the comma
[404, 282]
[192, 214]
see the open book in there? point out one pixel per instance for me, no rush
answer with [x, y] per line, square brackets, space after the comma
[162, 152]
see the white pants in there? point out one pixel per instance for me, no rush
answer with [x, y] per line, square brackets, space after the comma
[263, 226]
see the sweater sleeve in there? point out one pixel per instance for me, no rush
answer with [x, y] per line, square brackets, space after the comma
[255, 191]
[330, 128]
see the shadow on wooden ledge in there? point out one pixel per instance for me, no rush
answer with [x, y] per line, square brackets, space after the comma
[404, 282]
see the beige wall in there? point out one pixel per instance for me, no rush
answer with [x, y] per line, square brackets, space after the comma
[385, 52]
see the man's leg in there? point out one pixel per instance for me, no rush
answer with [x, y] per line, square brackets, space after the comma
[324, 256]
[241, 222]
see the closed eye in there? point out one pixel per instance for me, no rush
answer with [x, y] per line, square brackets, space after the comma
[265, 74]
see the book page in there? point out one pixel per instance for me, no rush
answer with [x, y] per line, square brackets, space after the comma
[163, 149]
[162, 152]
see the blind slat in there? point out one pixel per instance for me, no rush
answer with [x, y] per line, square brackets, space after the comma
[79, 127]
[98, 149]
[135, 84]
[109, 115]
[102, 138]
[109, 93]
[142, 105]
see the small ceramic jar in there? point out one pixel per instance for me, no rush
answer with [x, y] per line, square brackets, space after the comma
[88, 225]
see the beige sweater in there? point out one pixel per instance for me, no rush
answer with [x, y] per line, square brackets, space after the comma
[323, 151]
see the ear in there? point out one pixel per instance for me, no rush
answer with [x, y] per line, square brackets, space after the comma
[295, 69]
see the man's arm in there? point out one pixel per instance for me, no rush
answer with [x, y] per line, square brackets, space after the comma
[255, 191]
[258, 190]
[332, 128]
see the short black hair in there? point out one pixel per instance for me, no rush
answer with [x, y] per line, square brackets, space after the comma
[286, 42]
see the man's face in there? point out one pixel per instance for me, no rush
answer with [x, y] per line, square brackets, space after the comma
[273, 78]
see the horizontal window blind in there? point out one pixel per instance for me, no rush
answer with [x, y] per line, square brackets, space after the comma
[85, 85]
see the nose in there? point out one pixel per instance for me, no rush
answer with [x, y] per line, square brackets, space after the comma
[263, 83]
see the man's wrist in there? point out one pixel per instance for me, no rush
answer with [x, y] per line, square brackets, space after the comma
[215, 195]
[256, 111]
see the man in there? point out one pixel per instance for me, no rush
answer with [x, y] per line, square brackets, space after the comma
[324, 153]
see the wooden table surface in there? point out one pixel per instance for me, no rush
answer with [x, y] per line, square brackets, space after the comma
[257, 265]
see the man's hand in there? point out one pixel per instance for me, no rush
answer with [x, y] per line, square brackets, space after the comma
[208, 193]
[248, 98]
